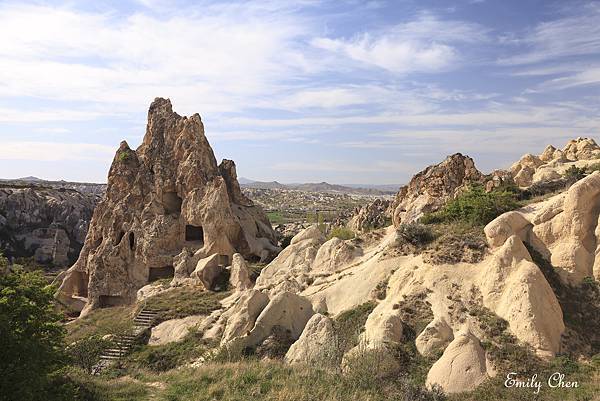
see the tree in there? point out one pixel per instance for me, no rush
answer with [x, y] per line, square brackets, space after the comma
[86, 352]
[31, 336]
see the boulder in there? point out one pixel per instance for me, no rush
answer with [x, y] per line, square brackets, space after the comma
[461, 368]
[383, 327]
[505, 226]
[436, 336]
[240, 318]
[286, 310]
[334, 254]
[239, 275]
[370, 216]
[167, 195]
[210, 272]
[173, 330]
[317, 345]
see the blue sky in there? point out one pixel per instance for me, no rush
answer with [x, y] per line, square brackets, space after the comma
[344, 91]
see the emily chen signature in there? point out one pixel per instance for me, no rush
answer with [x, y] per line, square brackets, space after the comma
[555, 380]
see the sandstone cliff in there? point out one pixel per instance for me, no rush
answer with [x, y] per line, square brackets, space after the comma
[166, 198]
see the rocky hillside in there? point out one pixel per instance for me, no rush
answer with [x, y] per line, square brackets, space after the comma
[44, 222]
[464, 278]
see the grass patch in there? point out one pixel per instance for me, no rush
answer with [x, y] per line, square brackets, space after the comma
[99, 322]
[276, 218]
[186, 301]
[341, 233]
[349, 324]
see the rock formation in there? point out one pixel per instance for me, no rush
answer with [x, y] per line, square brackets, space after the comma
[552, 163]
[430, 189]
[48, 224]
[167, 197]
[370, 216]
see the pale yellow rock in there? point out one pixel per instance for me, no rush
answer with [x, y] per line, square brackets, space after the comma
[516, 290]
[333, 255]
[461, 368]
[286, 310]
[317, 345]
[436, 336]
[208, 271]
[239, 275]
[241, 317]
[383, 327]
[173, 330]
[505, 226]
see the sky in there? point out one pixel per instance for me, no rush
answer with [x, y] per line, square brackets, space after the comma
[344, 91]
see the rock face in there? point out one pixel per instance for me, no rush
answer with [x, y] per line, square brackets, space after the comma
[49, 224]
[430, 189]
[317, 344]
[552, 163]
[462, 367]
[166, 196]
[173, 330]
[370, 216]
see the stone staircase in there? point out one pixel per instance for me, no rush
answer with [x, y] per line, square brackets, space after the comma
[122, 343]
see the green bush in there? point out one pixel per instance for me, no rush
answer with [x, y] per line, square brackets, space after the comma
[85, 353]
[475, 207]
[416, 234]
[341, 233]
[574, 173]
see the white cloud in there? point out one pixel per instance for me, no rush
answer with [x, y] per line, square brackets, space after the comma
[423, 45]
[52, 151]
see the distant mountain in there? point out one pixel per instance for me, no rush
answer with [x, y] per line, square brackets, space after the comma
[30, 179]
[319, 187]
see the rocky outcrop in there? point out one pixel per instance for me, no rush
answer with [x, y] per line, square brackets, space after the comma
[48, 224]
[370, 216]
[436, 336]
[173, 330]
[318, 344]
[565, 230]
[239, 277]
[430, 189]
[462, 367]
[552, 163]
[166, 196]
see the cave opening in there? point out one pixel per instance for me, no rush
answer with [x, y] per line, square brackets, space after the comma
[194, 233]
[131, 241]
[107, 301]
[119, 237]
[172, 203]
[157, 273]
[80, 284]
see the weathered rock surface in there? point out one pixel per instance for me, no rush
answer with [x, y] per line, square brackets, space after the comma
[370, 216]
[167, 195]
[48, 224]
[436, 336]
[462, 367]
[552, 163]
[430, 189]
[239, 275]
[173, 330]
[317, 344]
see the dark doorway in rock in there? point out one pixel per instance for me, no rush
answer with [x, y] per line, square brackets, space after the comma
[107, 301]
[194, 233]
[157, 273]
[131, 241]
[80, 284]
[172, 203]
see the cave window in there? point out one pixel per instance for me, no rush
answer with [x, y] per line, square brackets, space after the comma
[194, 233]
[119, 237]
[131, 241]
[253, 258]
[157, 273]
[106, 301]
[172, 203]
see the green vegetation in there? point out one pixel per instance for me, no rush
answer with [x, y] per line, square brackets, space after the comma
[349, 324]
[124, 155]
[475, 207]
[31, 336]
[341, 233]
[100, 322]
[575, 173]
[276, 217]
[185, 301]
[86, 352]
[416, 234]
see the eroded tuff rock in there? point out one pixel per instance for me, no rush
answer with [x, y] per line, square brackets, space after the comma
[49, 224]
[564, 230]
[430, 189]
[317, 345]
[164, 197]
[552, 163]
[370, 216]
